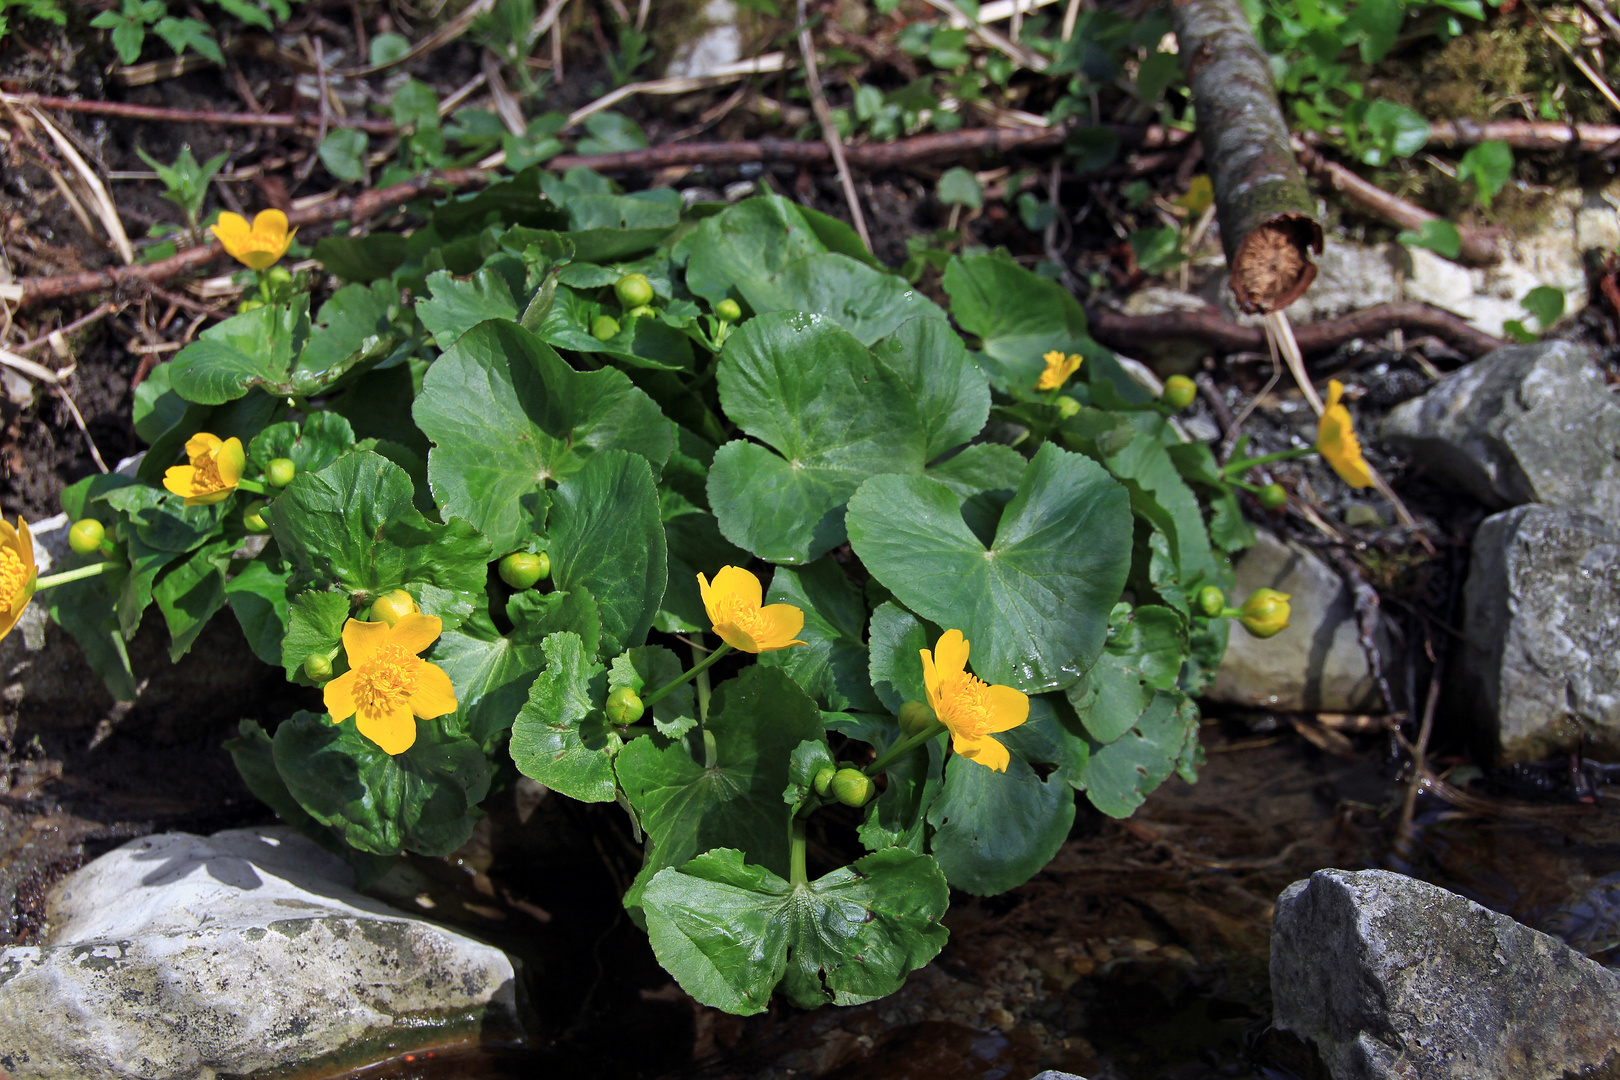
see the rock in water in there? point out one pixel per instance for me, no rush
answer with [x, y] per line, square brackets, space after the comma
[1531, 423]
[1317, 664]
[179, 956]
[1540, 672]
[1390, 977]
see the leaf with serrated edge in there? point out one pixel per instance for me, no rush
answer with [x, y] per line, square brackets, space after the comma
[560, 737]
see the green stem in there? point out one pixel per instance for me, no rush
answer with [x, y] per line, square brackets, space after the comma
[796, 870]
[903, 747]
[252, 487]
[697, 669]
[1238, 468]
[67, 576]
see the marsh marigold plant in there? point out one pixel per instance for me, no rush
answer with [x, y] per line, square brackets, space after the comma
[214, 472]
[259, 245]
[17, 573]
[970, 708]
[737, 608]
[388, 686]
[1336, 440]
[1059, 370]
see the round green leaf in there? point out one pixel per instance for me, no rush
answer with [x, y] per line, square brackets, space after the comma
[1034, 603]
[506, 414]
[994, 830]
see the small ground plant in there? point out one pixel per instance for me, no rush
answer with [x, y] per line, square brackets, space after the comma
[533, 474]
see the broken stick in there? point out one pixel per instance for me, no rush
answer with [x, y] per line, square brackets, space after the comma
[1267, 213]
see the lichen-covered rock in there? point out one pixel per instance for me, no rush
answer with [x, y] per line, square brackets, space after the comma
[1396, 979]
[1531, 423]
[1317, 664]
[183, 957]
[1540, 671]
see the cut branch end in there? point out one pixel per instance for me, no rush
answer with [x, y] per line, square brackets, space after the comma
[1272, 266]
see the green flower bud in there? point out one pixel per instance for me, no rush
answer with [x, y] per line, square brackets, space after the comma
[280, 472]
[318, 667]
[852, 787]
[248, 305]
[633, 291]
[728, 310]
[1179, 392]
[604, 327]
[253, 517]
[1211, 601]
[624, 706]
[823, 781]
[642, 312]
[521, 570]
[391, 607]
[1264, 613]
[916, 716]
[86, 536]
[1273, 497]
[1067, 406]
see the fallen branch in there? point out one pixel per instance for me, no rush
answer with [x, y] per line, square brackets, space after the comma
[1126, 332]
[353, 207]
[1266, 210]
[1477, 248]
[127, 111]
[1524, 134]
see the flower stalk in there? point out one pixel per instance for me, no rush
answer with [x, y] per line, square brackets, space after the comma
[66, 577]
[697, 669]
[903, 747]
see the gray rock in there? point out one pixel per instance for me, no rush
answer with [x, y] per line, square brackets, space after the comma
[1540, 672]
[1390, 977]
[1531, 423]
[1317, 664]
[181, 957]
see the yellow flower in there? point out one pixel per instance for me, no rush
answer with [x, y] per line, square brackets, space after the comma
[258, 245]
[734, 606]
[1264, 613]
[215, 469]
[17, 573]
[1058, 370]
[971, 708]
[387, 684]
[1336, 440]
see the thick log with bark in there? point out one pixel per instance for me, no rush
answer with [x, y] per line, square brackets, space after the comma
[1266, 211]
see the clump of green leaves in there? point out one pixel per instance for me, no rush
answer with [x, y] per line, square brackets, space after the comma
[762, 390]
[185, 183]
[44, 10]
[1545, 304]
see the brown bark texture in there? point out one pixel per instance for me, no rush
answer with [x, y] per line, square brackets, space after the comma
[1126, 332]
[1266, 212]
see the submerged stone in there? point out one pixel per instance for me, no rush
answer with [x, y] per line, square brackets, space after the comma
[184, 957]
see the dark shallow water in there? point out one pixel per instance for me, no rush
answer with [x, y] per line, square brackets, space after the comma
[1140, 953]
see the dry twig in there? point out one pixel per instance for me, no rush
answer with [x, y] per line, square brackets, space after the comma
[829, 131]
[1124, 331]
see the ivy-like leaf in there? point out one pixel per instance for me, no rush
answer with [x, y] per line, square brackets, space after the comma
[353, 525]
[1017, 316]
[730, 931]
[833, 414]
[756, 239]
[868, 302]
[993, 831]
[424, 800]
[1034, 603]
[561, 737]
[831, 665]
[311, 445]
[1119, 776]
[506, 415]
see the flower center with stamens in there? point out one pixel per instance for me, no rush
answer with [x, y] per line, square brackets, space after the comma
[965, 705]
[13, 577]
[385, 680]
[206, 476]
[746, 617]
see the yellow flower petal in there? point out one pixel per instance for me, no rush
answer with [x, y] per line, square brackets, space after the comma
[415, 632]
[740, 585]
[393, 730]
[17, 572]
[930, 680]
[951, 653]
[736, 637]
[1337, 442]
[785, 622]
[733, 602]
[433, 695]
[231, 461]
[361, 640]
[338, 696]
[232, 230]
[1008, 708]
[203, 443]
[985, 751]
[178, 479]
[258, 258]
[270, 223]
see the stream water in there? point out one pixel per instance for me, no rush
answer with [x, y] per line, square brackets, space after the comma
[1140, 953]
